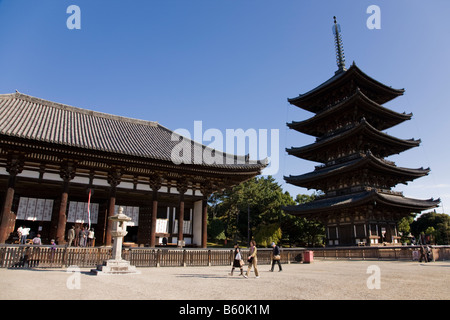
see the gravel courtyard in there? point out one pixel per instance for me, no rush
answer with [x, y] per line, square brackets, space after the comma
[330, 279]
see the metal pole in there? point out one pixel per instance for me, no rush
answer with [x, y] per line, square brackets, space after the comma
[248, 223]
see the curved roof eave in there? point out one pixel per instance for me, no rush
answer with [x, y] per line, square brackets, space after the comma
[353, 200]
[303, 126]
[369, 159]
[342, 77]
[363, 125]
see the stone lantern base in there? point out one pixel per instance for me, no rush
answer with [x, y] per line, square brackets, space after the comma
[117, 265]
[111, 267]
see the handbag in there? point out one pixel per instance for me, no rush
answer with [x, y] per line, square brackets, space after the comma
[241, 263]
[250, 260]
[277, 257]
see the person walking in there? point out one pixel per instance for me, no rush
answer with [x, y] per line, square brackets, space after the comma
[238, 262]
[70, 236]
[37, 240]
[276, 257]
[52, 250]
[83, 237]
[252, 259]
[423, 254]
[19, 234]
[91, 237]
[429, 254]
[24, 236]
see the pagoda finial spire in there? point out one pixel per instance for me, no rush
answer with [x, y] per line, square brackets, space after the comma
[340, 58]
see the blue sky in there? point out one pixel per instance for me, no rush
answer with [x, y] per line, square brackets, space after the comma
[233, 64]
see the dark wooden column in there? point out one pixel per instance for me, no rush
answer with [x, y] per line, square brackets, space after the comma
[155, 184]
[182, 188]
[206, 190]
[14, 166]
[67, 173]
[114, 178]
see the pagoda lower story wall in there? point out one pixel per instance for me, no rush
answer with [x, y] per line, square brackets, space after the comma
[360, 227]
[368, 234]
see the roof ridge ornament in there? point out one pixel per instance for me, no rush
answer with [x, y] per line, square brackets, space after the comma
[340, 58]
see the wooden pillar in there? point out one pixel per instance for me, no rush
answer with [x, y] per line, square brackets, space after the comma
[62, 218]
[114, 178]
[182, 188]
[180, 218]
[206, 190]
[67, 173]
[154, 216]
[14, 167]
[111, 208]
[155, 184]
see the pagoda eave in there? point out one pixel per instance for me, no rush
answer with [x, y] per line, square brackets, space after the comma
[374, 198]
[315, 151]
[386, 118]
[384, 93]
[314, 179]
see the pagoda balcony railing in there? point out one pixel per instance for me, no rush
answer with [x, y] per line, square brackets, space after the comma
[335, 103]
[356, 189]
[386, 191]
[336, 131]
[350, 157]
[333, 162]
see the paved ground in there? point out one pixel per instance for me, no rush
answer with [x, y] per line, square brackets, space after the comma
[319, 280]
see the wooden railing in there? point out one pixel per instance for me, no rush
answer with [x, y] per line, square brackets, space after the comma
[381, 252]
[26, 256]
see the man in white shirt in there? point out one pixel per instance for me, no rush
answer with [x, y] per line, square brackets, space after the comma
[25, 233]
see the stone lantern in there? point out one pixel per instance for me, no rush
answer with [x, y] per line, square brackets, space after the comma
[117, 265]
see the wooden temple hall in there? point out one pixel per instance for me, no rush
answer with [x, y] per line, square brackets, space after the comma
[358, 205]
[56, 159]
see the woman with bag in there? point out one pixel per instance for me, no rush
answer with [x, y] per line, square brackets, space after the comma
[252, 259]
[276, 257]
[238, 262]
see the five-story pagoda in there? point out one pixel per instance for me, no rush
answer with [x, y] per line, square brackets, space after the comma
[357, 205]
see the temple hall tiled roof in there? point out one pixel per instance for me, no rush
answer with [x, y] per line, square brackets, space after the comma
[34, 119]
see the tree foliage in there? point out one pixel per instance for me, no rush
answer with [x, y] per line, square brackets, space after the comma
[433, 224]
[254, 209]
[404, 228]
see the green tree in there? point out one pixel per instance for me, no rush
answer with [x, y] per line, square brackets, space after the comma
[298, 230]
[434, 224]
[268, 233]
[404, 228]
[216, 229]
[250, 206]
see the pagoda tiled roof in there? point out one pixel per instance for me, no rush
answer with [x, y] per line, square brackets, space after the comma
[367, 84]
[322, 205]
[395, 145]
[368, 160]
[388, 118]
[41, 121]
